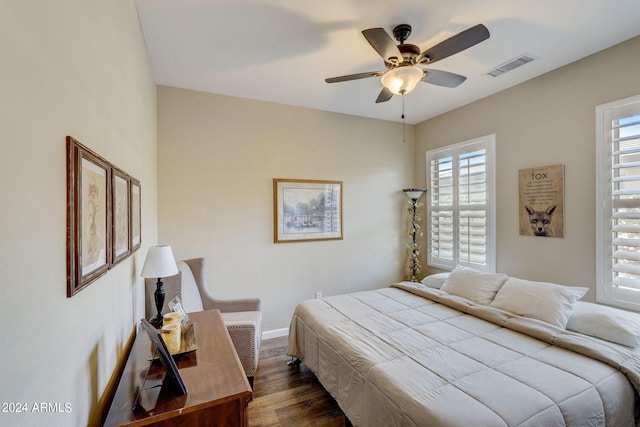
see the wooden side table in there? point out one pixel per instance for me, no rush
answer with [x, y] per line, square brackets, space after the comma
[218, 390]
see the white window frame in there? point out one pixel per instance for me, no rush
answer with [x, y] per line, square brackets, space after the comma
[487, 143]
[606, 291]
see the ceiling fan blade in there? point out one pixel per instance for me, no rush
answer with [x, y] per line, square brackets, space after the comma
[461, 41]
[384, 95]
[383, 44]
[443, 78]
[354, 76]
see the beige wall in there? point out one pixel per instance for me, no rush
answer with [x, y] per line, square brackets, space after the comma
[69, 67]
[217, 157]
[548, 120]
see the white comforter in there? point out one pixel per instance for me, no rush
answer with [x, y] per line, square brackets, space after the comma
[414, 356]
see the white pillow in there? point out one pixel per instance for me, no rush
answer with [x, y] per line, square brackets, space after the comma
[474, 285]
[435, 280]
[548, 302]
[608, 323]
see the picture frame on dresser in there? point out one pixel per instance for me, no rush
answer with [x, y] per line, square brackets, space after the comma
[88, 216]
[120, 215]
[307, 210]
[173, 376]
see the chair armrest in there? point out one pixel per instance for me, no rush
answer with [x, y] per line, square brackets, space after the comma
[245, 330]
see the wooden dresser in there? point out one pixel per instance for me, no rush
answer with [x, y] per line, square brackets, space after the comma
[218, 390]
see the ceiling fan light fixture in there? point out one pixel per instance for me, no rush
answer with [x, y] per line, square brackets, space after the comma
[402, 80]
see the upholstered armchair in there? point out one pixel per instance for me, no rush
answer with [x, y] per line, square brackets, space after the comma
[242, 317]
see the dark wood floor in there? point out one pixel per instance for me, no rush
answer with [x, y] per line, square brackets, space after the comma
[289, 395]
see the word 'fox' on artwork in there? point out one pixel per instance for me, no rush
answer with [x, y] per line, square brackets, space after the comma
[540, 221]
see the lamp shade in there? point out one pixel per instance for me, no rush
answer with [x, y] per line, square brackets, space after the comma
[413, 193]
[159, 263]
[402, 80]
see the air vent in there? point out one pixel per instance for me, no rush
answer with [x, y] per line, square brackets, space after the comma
[511, 65]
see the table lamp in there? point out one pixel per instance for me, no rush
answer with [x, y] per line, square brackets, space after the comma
[159, 263]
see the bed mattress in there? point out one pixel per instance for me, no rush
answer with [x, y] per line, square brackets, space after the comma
[408, 355]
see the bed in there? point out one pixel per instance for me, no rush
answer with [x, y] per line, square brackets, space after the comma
[412, 355]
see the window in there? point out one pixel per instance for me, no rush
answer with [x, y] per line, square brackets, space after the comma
[461, 205]
[618, 203]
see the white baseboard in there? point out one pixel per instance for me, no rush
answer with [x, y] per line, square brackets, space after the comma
[275, 333]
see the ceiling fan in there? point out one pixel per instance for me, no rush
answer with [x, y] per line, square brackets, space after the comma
[403, 61]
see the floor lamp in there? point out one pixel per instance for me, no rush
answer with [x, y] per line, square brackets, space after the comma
[415, 231]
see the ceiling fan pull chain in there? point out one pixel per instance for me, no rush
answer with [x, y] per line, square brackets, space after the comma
[404, 123]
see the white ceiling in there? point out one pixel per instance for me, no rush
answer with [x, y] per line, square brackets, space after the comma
[282, 50]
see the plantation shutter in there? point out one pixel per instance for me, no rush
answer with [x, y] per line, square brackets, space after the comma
[441, 211]
[472, 204]
[620, 215]
[459, 217]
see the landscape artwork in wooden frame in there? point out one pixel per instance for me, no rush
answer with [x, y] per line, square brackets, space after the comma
[307, 210]
[88, 216]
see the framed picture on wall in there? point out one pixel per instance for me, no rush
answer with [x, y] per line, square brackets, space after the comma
[120, 215]
[306, 210]
[88, 216]
[541, 194]
[135, 221]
